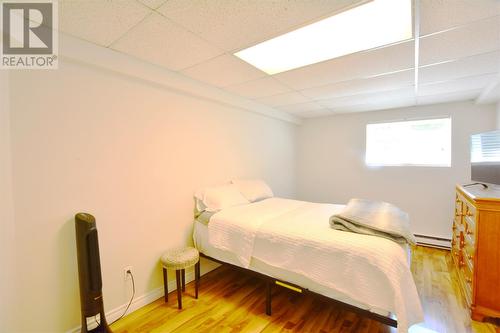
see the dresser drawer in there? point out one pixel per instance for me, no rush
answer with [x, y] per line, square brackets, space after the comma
[459, 208]
[469, 211]
[455, 255]
[465, 277]
[455, 228]
[470, 227]
[469, 231]
[456, 241]
[468, 253]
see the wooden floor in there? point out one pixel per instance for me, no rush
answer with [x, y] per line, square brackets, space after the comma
[231, 301]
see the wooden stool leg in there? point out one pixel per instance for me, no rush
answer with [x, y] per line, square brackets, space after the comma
[179, 292]
[183, 280]
[268, 298]
[165, 284]
[196, 279]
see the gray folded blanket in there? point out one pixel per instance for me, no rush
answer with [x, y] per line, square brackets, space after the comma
[375, 218]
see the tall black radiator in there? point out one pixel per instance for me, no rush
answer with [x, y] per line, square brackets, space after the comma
[89, 273]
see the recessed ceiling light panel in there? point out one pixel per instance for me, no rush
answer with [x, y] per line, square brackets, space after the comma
[374, 24]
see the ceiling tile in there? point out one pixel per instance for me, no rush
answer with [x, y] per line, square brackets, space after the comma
[223, 71]
[283, 99]
[480, 37]
[359, 86]
[463, 84]
[164, 43]
[301, 107]
[371, 98]
[449, 97]
[97, 21]
[358, 65]
[399, 102]
[154, 4]
[315, 113]
[485, 63]
[383, 104]
[438, 15]
[266, 86]
[236, 24]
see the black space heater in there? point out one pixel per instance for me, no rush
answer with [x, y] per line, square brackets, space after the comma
[89, 274]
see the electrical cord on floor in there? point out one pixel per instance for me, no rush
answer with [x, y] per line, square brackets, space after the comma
[129, 303]
[131, 299]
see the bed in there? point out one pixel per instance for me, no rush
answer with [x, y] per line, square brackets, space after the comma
[291, 243]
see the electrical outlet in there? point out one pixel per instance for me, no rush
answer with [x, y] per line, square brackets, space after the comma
[126, 270]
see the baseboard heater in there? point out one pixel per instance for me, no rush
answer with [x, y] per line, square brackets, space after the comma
[431, 241]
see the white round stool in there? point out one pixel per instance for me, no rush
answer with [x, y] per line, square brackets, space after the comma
[180, 259]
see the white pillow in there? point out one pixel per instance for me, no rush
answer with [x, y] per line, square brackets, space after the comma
[220, 197]
[253, 190]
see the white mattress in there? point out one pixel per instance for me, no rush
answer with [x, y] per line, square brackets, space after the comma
[200, 237]
[292, 241]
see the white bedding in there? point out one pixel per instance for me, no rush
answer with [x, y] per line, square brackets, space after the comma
[200, 237]
[296, 236]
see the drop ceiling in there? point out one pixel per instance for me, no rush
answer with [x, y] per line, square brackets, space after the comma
[454, 57]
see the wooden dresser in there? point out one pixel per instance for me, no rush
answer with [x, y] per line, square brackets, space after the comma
[476, 249]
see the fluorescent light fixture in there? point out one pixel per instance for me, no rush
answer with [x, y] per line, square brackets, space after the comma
[374, 24]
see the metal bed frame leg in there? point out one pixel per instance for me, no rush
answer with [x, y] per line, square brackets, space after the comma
[268, 297]
[387, 320]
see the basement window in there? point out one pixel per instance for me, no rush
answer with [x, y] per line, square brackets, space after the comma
[409, 143]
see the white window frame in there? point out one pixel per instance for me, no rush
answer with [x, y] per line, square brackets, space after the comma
[433, 165]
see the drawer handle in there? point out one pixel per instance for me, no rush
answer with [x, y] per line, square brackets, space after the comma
[469, 280]
[470, 214]
[470, 256]
[469, 232]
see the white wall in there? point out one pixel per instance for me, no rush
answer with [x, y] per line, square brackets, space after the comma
[331, 164]
[7, 229]
[498, 115]
[131, 153]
